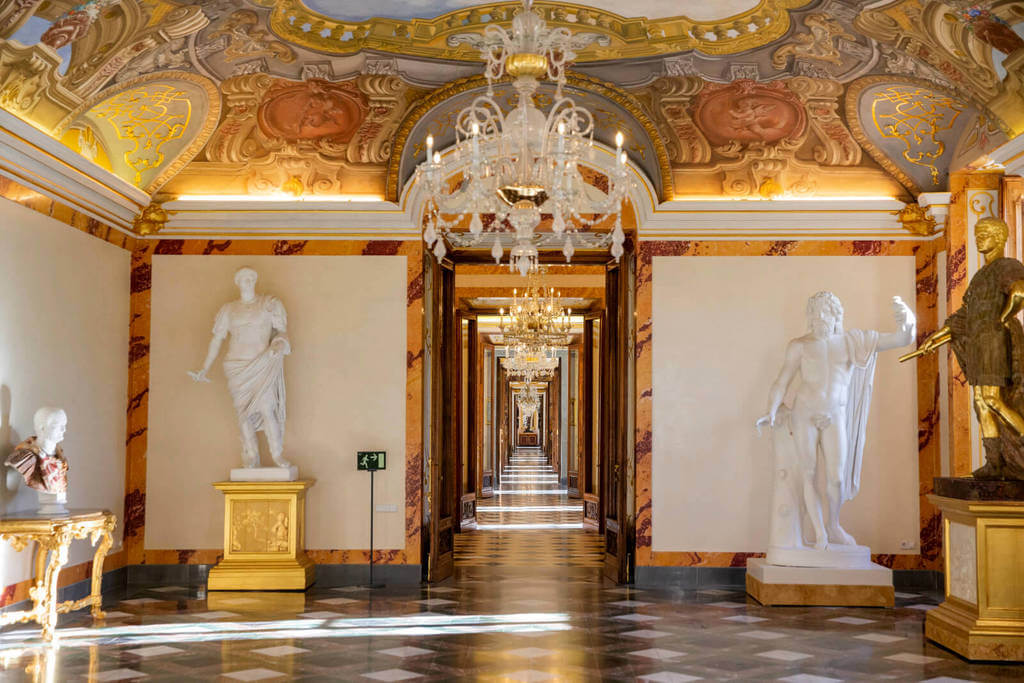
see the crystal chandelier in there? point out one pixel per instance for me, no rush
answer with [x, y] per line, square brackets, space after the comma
[529, 402]
[536, 320]
[518, 165]
[530, 364]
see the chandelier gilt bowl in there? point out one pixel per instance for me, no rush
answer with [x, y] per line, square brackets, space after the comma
[512, 168]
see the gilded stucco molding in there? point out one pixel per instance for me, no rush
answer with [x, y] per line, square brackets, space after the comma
[620, 97]
[627, 36]
[200, 133]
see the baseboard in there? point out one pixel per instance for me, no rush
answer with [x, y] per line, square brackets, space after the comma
[695, 578]
[144, 575]
[333, 575]
[112, 580]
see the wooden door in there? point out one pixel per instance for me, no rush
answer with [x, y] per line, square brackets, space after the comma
[441, 345]
[617, 409]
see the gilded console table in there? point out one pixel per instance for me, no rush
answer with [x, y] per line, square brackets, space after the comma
[53, 535]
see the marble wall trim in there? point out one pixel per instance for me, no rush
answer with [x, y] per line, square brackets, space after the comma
[929, 455]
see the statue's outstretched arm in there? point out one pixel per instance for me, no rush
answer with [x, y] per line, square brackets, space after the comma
[907, 322]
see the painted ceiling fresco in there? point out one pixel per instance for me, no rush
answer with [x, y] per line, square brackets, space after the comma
[739, 98]
[699, 10]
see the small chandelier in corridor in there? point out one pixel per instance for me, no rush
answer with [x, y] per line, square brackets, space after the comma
[536, 321]
[518, 165]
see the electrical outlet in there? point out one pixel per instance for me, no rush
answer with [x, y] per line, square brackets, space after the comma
[386, 508]
[907, 545]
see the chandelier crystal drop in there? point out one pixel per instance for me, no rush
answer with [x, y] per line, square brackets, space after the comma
[520, 165]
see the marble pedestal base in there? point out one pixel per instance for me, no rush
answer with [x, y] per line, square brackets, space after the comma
[265, 473]
[869, 586]
[264, 537]
[982, 617]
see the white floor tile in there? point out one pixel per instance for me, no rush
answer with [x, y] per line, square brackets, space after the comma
[279, 651]
[923, 608]
[210, 616]
[762, 635]
[880, 637]
[853, 621]
[784, 655]
[253, 675]
[645, 633]
[912, 658]
[744, 619]
[669, 677]
[630, 603]
[320, 615]
[433, 602]
[392, 675]
[154, 651]
[639, 618]
[657, 653]
[808, 678]
[529, 676]
[530, 652]
[727, 604]
[338, 601]
[117, 675]
[907, 596]
[406, 651]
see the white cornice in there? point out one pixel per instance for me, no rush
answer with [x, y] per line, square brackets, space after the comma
[839, 218]
[1010, 155]
[210, 218]
[34, 159]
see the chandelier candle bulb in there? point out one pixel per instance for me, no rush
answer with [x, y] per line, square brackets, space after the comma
[430, 147]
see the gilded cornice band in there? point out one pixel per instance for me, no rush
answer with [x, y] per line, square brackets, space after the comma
[628, 37]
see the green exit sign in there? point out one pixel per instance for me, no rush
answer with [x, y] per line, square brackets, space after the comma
[371, 460]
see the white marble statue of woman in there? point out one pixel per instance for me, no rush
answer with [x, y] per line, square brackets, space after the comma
[834, 370]
[254, 365]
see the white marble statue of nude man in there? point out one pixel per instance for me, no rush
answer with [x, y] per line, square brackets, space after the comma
[254, 365]
[830, 407]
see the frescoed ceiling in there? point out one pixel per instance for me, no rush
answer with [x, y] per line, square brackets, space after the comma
[733, 98]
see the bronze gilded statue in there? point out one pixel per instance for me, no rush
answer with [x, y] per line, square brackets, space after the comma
[988, 341]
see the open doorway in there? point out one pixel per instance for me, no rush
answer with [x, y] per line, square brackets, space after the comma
[511, 485]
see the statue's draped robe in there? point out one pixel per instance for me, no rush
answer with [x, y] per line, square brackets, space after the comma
[254, 382]
[42, 472]
[990, 353]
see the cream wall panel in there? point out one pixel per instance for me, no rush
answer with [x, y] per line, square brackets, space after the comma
[721, 325]
[63, 342]
[345, 383]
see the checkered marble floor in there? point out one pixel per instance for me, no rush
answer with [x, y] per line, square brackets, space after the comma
[487, 624]
[530, 521]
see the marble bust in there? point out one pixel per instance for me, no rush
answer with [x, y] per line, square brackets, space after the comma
[40, 460]
[834, 369]
[256, 327]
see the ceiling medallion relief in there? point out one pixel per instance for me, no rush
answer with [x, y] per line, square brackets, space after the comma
[761, 140]
[310, 137]
[445, 37]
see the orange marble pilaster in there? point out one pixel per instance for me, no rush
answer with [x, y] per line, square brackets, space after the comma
[973, 195]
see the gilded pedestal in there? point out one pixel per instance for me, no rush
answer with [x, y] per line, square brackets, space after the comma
[982, 617]
[869, 586]
[264, 537]
[52, 535]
